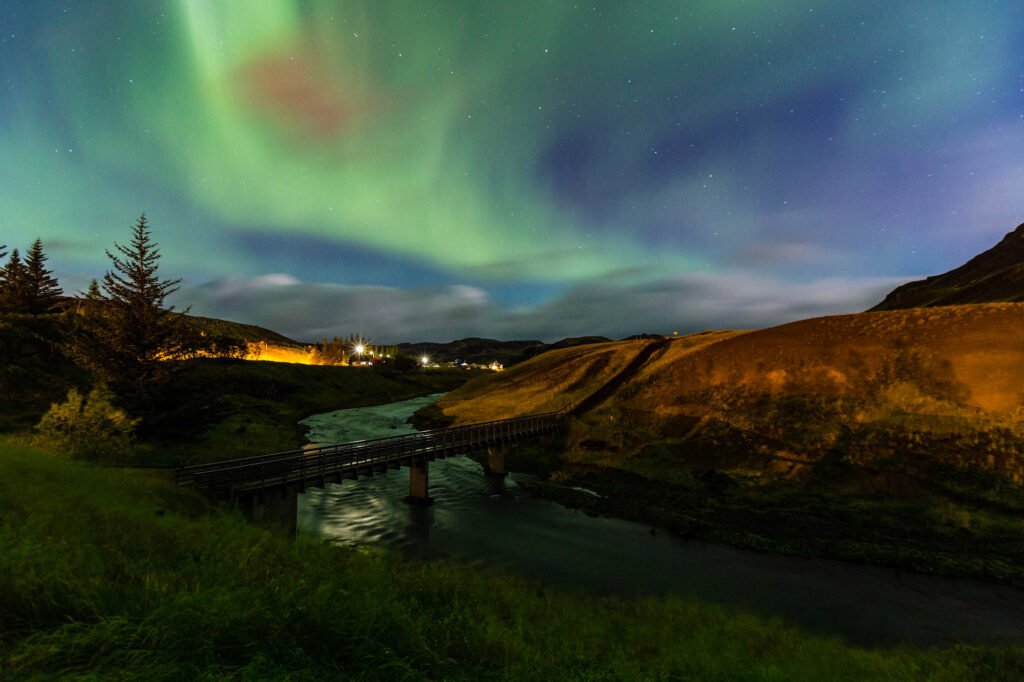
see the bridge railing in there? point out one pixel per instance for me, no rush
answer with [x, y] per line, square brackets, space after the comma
[224, 478]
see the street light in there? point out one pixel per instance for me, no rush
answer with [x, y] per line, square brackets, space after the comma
[424, 360]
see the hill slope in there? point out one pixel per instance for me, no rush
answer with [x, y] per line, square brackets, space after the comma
[549, 382]
[995, 275]
[891, 437]
[942, 375]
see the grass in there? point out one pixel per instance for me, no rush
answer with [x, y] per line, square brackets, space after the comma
[569, 375]
[110, 574]
[211, 408]
[219, 408]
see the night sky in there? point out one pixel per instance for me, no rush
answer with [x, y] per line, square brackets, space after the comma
[424, 170]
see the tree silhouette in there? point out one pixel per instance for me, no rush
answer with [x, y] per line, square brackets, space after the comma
[13, 280]
[3, 254]
[41, 288]
[128, 335]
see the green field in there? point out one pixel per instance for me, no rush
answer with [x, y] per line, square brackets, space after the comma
[114, 574]
[220, 408]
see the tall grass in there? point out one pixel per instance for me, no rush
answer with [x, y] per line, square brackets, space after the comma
[113, 574]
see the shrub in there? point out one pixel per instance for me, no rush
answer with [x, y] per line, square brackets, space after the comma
[90, 428]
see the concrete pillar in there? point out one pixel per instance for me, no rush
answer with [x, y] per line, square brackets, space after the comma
[496, 460]
[418, 483]
[279, 510]
[250, 506]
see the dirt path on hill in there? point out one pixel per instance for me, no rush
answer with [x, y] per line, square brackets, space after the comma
[627, 373]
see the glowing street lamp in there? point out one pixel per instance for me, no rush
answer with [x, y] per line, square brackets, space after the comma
[359, 348]
[424, 360]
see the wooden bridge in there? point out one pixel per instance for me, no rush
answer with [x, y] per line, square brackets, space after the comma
[265, 486]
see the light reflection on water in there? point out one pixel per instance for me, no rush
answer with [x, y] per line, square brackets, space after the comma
[492, 521]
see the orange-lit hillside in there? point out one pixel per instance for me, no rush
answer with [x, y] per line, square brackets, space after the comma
[270, 353]
[547, 382]
[946, 383]
[969, 355]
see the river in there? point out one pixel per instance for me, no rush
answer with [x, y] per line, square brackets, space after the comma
[493, 522]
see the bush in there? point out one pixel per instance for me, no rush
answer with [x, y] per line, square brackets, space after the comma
[90, 428]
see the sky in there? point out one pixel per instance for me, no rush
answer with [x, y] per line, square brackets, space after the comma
[426, 171]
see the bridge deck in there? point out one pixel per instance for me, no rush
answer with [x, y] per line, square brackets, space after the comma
[315, 466]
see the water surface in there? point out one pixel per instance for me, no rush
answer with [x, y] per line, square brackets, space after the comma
[494, 522]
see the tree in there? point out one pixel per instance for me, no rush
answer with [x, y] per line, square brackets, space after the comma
[91, 302]
[41, 288]
[13, 281]
[125, 342]
[3, 253]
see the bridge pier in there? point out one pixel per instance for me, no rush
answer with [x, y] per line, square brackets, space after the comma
[418, 482]
[277, 509]
[496, 459]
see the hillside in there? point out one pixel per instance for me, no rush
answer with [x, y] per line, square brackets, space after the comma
[210, 407]
[248, 333]
[936, 386]
[552, 381]
[995, 275]
[485, 351]
[220, 408]
[890, 437]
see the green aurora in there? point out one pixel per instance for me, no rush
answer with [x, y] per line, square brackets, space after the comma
[514, 145]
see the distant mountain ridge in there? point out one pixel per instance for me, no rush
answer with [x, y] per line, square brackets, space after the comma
[474, 350]
[996, 275]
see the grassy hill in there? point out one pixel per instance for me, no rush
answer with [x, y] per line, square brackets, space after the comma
[210, 408]
[224, 408]
[995, 275]
[248, 333]
[547, 383]
[858, 436]
[114, 574]
[34, 369]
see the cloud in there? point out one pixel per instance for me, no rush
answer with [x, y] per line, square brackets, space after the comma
[616, 307]
[310, 311]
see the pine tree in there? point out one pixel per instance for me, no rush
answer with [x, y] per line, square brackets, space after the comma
[13, 280]
[134, 331]
[91, 301]
[41, 288]
[3, 279]
[93, 293]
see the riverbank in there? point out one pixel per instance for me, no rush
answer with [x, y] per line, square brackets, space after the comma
[920, 533]
[114, 573]
[218, 409]
[871, 437]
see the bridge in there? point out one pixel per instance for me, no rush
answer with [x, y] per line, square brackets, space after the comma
[265, 486]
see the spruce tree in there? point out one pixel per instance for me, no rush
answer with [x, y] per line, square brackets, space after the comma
[42, 292]
[134, 331]
[13, 284]
[3, 279]
[90, 302]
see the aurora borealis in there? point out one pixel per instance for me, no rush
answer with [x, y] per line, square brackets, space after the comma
[430, 170]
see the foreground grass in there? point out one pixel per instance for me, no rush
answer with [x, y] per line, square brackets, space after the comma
[112, 574]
